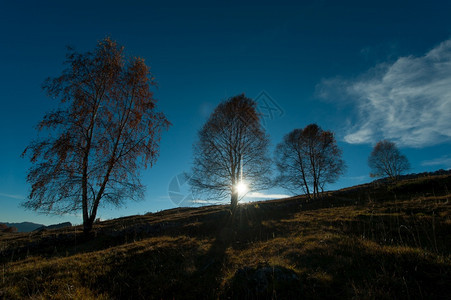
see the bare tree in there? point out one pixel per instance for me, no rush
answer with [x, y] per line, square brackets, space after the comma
[307, 159]
[105, 129]
[387, 160]
[231, 152]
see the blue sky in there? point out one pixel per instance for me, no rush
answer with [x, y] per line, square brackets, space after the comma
[366, 70]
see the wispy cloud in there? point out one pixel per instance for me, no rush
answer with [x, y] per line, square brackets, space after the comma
[18, 197]
[266, 196]
[253, 196]
[200, 201]
[408, 101]
[444, 161]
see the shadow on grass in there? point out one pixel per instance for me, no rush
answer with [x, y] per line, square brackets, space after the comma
[341, 267]
[183, 268]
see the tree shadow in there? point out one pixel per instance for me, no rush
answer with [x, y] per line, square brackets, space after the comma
[179, 269]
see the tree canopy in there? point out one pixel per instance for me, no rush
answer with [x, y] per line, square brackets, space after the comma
[231, 152]
[106, 128]
[307, 159]
[387, 160]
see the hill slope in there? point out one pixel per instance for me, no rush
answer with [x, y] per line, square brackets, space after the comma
[369, 241]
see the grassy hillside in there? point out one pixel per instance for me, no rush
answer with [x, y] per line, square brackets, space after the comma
[369, 241]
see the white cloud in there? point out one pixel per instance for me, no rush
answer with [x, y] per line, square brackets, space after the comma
[200, 201]
[18, 197]
[266, 196]
[441, 161]
[250, 197]
[408, 101]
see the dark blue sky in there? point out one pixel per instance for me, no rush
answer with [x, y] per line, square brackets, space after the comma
[366, 70]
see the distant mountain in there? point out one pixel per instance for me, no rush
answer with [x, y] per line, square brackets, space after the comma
[24, 226]
[54, 226]
[29, 226]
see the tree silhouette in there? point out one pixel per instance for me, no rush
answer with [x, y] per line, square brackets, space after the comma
[387, 160]
[105, 129]
[307, 159]
[231, 151]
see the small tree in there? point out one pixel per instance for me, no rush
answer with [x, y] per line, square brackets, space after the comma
[387, 160]
[231, 152]
[106, 128]
[307, 159]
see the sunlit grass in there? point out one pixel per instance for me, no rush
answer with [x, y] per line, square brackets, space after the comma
[358, 243]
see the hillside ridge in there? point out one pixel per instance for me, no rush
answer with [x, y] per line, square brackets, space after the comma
[280, 248]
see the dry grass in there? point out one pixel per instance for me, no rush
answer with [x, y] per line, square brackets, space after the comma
[363, 242]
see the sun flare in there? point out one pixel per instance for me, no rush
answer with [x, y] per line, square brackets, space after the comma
[241, 188]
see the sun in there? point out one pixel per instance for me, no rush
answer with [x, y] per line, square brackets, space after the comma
[241, 188]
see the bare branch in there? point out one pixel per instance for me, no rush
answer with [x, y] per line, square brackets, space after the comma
[107, 125]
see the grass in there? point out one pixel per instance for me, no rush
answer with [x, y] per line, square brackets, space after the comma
[369, 241]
